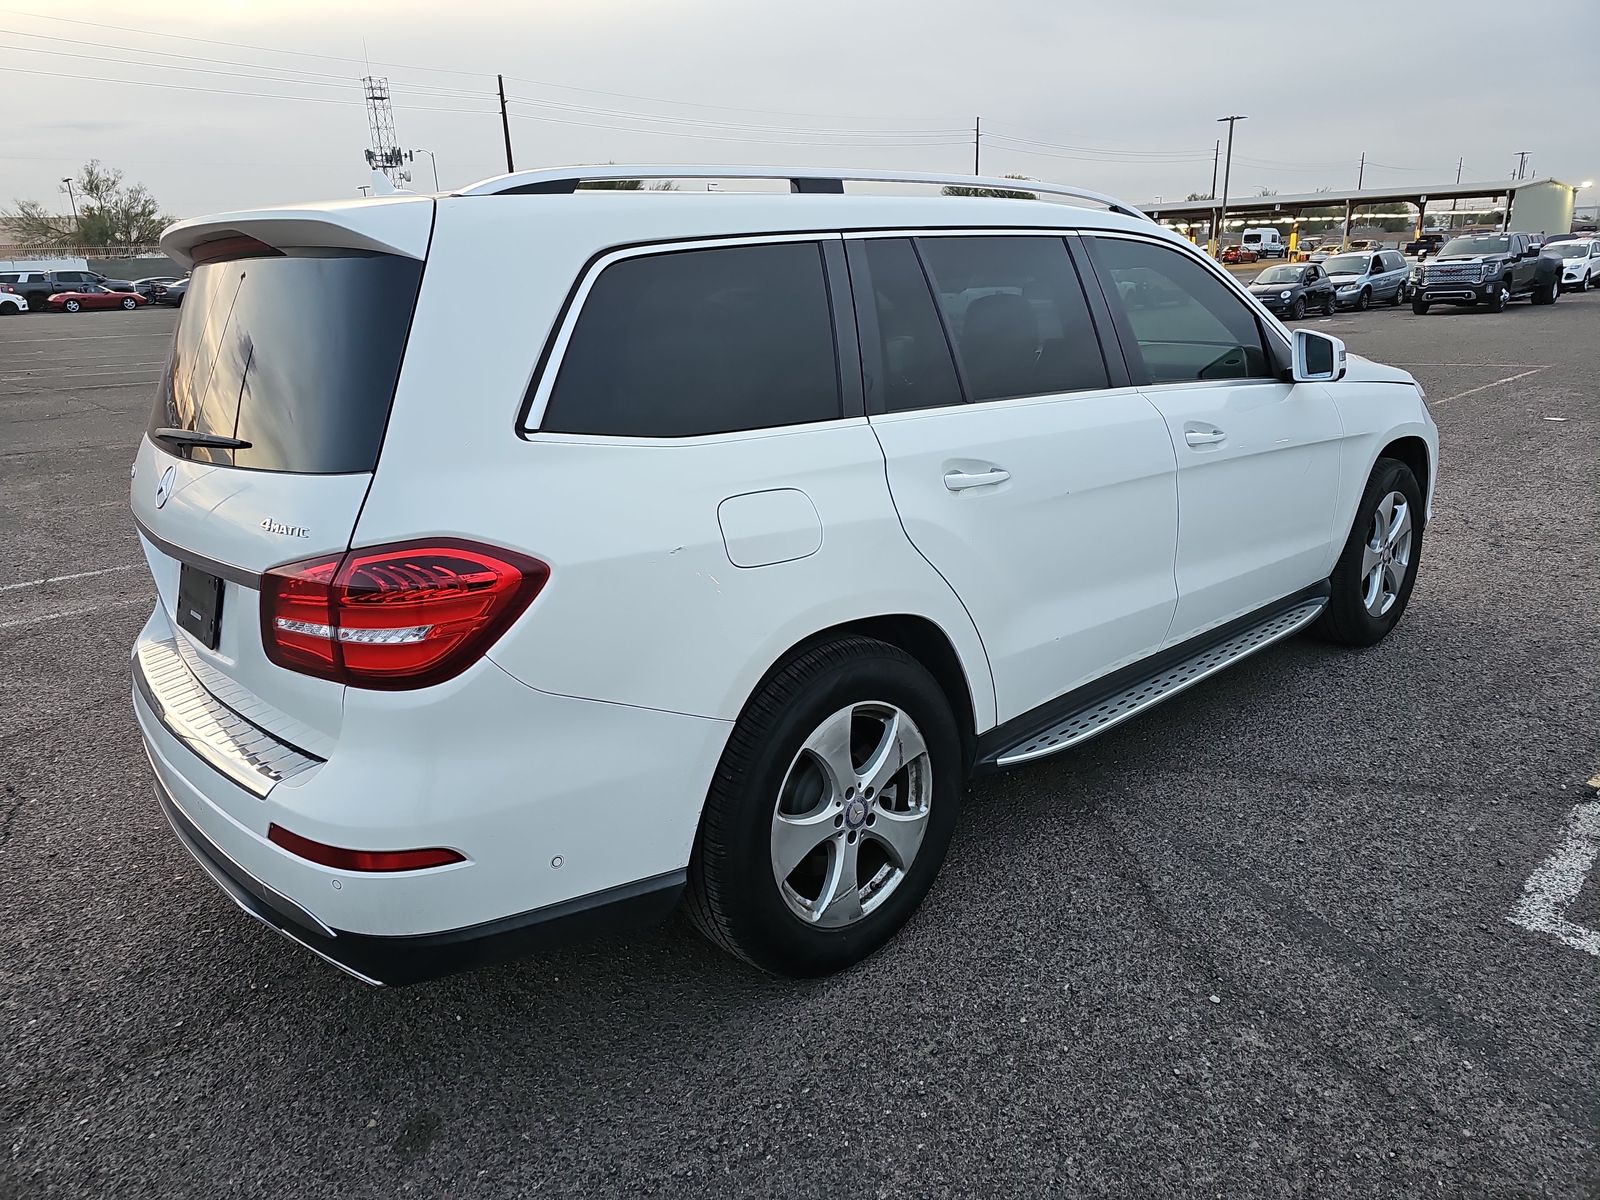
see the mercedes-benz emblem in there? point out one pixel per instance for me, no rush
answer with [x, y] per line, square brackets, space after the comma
[164, 488]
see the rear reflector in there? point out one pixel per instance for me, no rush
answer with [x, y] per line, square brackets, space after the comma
[361, 860]
[397, 616]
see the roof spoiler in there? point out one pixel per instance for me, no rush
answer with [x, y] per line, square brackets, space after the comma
[401, 225]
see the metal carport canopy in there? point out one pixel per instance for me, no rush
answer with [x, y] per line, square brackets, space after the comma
[1243, 206]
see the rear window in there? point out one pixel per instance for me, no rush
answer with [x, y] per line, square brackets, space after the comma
[701, 341]
[296, 355]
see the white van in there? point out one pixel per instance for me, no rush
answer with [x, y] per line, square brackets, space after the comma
[1266, 241]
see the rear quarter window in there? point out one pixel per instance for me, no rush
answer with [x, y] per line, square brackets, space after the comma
[703, 341]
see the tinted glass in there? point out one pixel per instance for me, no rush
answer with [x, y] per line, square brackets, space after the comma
[1016, 314]
[1185, 321]
[1488, 244]
[1285, 275]
[1347, 264]
[915, 368]
[297, 356]
[700, 341]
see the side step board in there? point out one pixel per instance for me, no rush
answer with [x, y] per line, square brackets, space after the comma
[1102, 710]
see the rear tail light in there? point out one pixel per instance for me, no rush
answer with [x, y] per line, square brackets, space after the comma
[361, 860]
[397, 616]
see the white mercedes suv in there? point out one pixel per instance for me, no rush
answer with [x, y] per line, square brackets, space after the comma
[708, 562]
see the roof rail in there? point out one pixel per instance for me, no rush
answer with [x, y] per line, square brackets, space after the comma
[564, 180]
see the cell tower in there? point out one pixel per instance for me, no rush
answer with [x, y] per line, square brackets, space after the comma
[384, 155]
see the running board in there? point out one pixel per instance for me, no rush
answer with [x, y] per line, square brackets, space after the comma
[1103, 711]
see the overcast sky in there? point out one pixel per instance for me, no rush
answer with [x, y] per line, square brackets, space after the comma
[1121, 97]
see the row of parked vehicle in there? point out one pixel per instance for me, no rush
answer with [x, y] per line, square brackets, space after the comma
[75, 291]
[1488, 270]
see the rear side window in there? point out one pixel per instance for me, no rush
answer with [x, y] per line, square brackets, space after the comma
[296, 355]
[1185, 322]
[914, 368]
[701, 341]
[1017, 315]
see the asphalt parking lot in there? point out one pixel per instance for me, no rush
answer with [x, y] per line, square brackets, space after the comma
[1255, 943]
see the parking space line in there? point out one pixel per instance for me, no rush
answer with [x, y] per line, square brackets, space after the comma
[63, 613]
[1485, 387]
[1552, 888]
[30, 583]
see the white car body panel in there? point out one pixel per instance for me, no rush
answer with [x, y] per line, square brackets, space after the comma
[575, 755]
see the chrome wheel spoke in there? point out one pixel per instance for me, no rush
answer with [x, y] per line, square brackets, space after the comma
[793, 838]
[1392, 573]
[1401, 526]
[840, 900]
[829, 746]
[1371, 556]
[902, 744]
[900, 833]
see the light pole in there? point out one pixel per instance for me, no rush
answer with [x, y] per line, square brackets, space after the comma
[76, 220]
[1587, 183]
[1227, 169]
[435, 163]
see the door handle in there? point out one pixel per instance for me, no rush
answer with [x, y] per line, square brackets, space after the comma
[960, 481]
[1204, 437]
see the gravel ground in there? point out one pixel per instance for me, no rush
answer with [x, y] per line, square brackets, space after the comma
[1252, 944]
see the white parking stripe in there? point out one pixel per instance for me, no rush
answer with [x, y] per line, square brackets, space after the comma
[62, 614]
[1552, 888]
[32, 583]
[1485, 387]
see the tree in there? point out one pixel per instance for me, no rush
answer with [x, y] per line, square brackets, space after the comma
[111, 214]
[1199, 196]
[992, 193]
[1267, 192]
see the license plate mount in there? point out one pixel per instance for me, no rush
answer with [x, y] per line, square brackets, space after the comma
[200, 604]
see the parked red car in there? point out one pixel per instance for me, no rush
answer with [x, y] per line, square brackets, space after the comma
[92, 295]
[1238, 254]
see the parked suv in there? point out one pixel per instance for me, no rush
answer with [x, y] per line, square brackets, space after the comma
[36, 287]
[709, 562]
[1360, 278]
[1486, 268]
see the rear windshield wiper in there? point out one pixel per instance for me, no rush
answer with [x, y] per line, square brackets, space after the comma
[188, 437]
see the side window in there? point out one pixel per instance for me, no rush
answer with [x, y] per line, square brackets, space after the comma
[1186, 323]
[701, 341]
[1016, 315]
[915, 370]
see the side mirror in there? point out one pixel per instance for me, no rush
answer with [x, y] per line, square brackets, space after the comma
[1318, 358]
[1531, 252]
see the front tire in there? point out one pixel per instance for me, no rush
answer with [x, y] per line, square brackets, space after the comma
[130, 304]
[1297, 310]
[1501, 299]
[1364, 299]
[71, 306]
[9, 310]
[1372, 581]
[1420, 307]
[830, 812]
[1547, 294]
[1399, 296]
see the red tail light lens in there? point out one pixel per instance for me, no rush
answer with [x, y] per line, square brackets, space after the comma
[397, 616]
[361, 860]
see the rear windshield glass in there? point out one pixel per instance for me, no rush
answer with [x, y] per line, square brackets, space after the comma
[297, 356]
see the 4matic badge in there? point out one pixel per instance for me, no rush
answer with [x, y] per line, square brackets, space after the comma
[282, 530]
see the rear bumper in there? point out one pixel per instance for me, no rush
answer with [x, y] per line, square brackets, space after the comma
[396, 960]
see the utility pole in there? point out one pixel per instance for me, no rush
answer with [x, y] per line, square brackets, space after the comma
[1522, 161]
[1216, 158]
[505, 123]
[1361, 172]
[1460, 162]
[1227, 172]
[977, 142]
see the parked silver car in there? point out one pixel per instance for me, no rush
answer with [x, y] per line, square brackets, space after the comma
[1367, 276]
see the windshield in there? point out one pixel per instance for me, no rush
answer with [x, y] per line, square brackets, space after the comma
[1347, 264]
[1572, 248]
[296, 356]
[1489, 244]
[1281, 275]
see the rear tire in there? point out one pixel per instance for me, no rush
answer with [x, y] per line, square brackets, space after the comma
[1330, 305]
[775, 775]
[1372, 581]
[1420, 307]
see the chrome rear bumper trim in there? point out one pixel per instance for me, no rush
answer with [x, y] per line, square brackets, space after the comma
[245, 753]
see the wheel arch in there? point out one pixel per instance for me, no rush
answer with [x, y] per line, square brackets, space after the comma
[920, 637]
[1412, 451]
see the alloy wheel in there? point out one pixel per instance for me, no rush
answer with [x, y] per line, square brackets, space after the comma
[851, 814]
[1386, 555]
